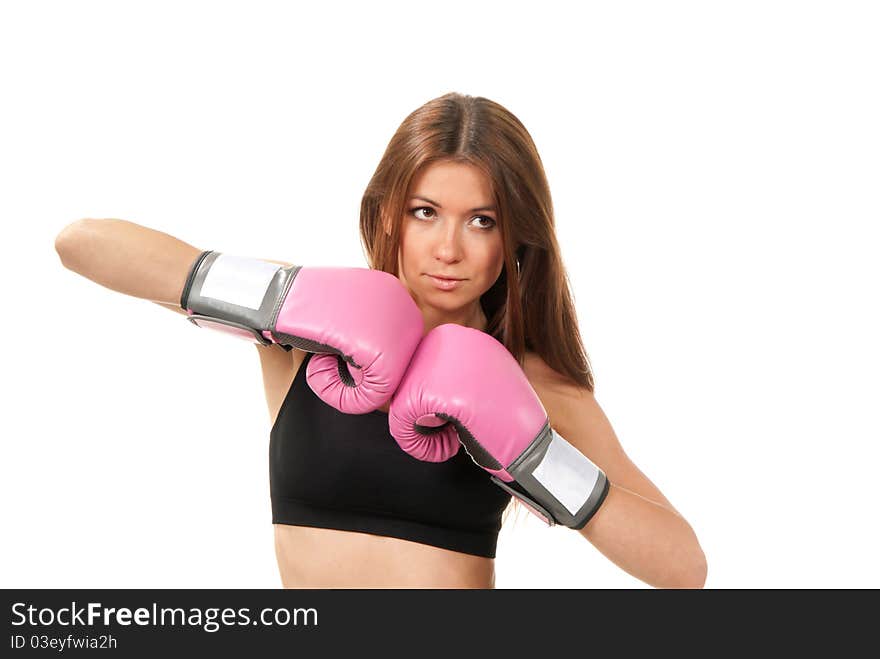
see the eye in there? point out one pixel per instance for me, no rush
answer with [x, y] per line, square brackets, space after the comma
[413, 211]
[485, 218]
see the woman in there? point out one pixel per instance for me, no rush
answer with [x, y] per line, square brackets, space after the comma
[459, 210]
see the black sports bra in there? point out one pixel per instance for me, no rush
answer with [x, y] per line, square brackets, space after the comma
[345, 471]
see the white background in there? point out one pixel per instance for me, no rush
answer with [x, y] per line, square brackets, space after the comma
[714, 170]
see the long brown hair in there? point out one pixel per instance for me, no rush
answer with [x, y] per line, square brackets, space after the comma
[533, 311]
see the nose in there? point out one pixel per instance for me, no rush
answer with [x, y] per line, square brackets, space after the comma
[448, 246]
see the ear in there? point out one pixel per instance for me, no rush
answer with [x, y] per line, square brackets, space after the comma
[386, 223]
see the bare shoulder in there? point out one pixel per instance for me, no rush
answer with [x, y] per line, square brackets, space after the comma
[567, 403]
[555, 391]
[540, 375]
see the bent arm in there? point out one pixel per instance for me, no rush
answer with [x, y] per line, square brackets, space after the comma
[128, 258]
[636, 527]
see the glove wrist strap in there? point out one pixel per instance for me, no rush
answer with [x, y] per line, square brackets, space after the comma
[557, 481]
[236, 295]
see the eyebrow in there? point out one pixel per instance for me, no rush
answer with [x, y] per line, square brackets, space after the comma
[473, 210]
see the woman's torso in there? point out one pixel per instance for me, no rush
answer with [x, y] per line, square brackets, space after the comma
[310, 557]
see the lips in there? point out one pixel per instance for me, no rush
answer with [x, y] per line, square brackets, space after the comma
[446, 278]
[444, 284]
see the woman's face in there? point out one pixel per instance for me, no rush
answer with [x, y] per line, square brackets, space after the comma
[450, 229]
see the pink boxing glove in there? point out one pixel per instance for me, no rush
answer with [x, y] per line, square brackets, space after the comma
[463, 387]
[362, 321]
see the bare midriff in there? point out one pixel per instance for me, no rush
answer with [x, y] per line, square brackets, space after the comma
[328, 558]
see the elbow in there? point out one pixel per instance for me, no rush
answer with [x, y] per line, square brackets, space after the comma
[694, 572]
[685, 570]
[66, 240]
[697, 577]
[692, 563]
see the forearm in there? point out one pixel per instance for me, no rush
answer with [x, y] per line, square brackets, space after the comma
[127, 257]
[647, 540]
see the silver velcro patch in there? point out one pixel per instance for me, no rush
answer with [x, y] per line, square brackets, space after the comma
[566, 473]
[239, 280]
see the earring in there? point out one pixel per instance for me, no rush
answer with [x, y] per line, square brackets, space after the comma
[517, 267]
